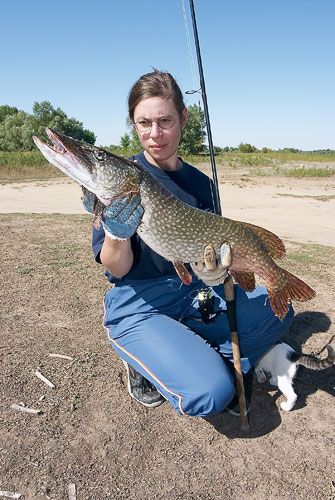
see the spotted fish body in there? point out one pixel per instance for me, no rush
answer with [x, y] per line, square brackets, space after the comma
[177, 231]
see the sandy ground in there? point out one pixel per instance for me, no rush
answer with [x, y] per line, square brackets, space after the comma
[289, 207]
[90, 432]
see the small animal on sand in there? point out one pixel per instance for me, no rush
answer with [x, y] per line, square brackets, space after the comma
[279, 364]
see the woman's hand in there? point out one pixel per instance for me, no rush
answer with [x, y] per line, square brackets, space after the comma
[121, 219]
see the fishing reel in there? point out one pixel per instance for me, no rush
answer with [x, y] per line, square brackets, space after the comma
[205, 307]
[206, 304]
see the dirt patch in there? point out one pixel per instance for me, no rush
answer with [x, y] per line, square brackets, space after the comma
[93, 434]
[299, 209]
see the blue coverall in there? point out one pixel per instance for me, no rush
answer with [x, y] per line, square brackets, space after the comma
[145, 317]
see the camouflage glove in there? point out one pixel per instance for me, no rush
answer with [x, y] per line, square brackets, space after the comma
[88, 200]
[121, 219]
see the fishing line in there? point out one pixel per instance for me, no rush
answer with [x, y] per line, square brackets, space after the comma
[214, 187]
[191, 60]
[190, 51]
[207, 160]
[191, 92]
[206, 153]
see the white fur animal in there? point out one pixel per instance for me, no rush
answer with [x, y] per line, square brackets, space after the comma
[278, 363]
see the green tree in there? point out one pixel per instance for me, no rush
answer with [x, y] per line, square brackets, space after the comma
[246, 148]
[290, 150]
[125, 141]
[45, 115]
[18, 127]
[194, 134]
[15, 133]
[135, 145]
[7, 111]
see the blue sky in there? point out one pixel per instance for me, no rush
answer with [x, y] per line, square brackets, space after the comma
[269, 66]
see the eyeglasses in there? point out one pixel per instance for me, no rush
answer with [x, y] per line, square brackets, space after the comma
[165, 122]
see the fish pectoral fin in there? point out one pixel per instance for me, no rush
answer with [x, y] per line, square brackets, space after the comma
[245, 279]
[182, 272]
[272, 243]
[97, 221]
[93, 205]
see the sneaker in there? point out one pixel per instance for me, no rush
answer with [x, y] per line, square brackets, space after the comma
[234, 408]
[141, 389]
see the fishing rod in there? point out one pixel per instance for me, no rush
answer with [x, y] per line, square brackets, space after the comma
[228, 283]
[217, 204]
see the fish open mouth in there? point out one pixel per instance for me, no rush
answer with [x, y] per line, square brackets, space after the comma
[57, 154]
[71, 162]
[57, 145]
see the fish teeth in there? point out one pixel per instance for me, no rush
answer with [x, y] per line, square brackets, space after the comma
[57, 145]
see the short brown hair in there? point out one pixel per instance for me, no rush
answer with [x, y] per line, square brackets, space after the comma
[155, 84]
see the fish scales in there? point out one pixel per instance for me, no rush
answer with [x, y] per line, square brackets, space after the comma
[177, 231]
[173, 229]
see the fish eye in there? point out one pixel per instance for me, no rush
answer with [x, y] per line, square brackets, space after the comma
[100, 155]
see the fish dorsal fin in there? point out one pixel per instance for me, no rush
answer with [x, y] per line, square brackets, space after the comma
[272, 243]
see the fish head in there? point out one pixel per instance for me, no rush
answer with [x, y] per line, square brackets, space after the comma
[106, 175]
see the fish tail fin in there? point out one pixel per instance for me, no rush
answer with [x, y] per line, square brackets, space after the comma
[291, 287]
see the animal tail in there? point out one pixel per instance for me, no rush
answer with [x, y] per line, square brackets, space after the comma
[288, 287]
[318, 364]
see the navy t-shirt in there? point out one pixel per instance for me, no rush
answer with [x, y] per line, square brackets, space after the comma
[189, 185]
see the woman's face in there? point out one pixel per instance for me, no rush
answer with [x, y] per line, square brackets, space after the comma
[160, 144]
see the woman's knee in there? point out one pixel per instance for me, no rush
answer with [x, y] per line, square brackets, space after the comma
[210, 398]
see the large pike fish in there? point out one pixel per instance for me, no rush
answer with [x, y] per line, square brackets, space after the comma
[176, 231]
